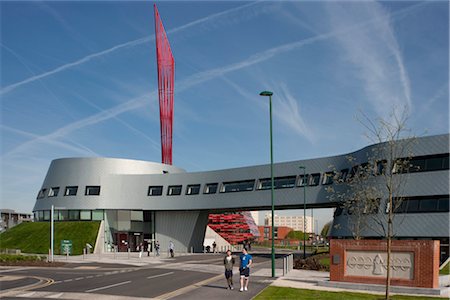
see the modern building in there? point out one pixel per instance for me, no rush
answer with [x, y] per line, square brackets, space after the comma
[139, 200]
[11, 218]
[297, 223]
[279, 232]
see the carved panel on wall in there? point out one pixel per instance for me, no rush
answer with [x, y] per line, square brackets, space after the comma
[374, 264]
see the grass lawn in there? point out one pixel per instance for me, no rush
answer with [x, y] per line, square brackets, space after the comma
[34, 237]
[273, 292]
[445, 270]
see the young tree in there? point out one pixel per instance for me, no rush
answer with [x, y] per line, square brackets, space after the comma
[381, 178]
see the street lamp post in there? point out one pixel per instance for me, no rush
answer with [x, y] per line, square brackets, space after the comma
[269, 94]
[52, 230]
[304, 210]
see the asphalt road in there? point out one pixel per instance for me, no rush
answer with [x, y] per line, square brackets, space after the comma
[186, 277]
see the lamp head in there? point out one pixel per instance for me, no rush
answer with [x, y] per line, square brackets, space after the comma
[266, 93]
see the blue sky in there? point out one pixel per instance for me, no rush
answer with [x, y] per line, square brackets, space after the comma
[79, 79]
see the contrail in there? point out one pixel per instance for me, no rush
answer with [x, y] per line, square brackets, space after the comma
[193, 80]
[118, 47]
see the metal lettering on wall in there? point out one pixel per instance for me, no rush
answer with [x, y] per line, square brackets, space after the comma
[374, 264]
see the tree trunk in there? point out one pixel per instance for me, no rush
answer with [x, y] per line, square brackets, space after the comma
[389, 240]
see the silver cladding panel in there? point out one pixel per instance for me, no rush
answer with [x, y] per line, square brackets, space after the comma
[124, 183]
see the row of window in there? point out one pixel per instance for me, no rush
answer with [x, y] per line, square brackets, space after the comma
[415, 164]
[408, 205]
[91, 190]
[428, 204]
[69, 215]
[423, 164]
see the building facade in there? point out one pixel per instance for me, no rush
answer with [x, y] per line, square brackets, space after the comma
[280, 232]
[297, 223]
[140, 200]
[11, 218]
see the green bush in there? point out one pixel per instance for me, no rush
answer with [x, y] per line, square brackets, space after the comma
[16, 258]
[297, 235]
[35, 237]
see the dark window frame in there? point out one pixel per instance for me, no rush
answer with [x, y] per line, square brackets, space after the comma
[41, 193]
[152, 188]
[51, 191]
[237, 184]
[70, 188]
[312, 177]
[189, 189]
[177, 188]
[276, 181]
[92, 188]
[208, 186]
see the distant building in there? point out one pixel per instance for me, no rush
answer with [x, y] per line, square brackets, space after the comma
[280, 232]
[294, 222]
[255, 216]
[10, 218]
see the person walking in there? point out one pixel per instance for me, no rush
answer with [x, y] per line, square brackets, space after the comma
[214, 247]
[157, 248]
[244, 269]
[171, 249]
[228, 262]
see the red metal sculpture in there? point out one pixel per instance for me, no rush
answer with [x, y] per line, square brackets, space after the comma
[166, 71]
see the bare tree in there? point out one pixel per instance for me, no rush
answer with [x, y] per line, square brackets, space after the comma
[381, 178]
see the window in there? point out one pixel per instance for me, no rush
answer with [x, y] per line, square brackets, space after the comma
[97, 215]
[443, 204]
[302, 180]
[41, 215]
[137, 215]
[193, 189]
[278, 182]
[53, 192]
[85, 215]
[314, 179]
[328, 178]
[155, 190]
[74, 215]
[41, 193]
[93, 190]
[211, 188]
[46, 215]
[380, 167]
[343, 175]
[372, 206]
[71, 191]
[237, 186]
[174, 190]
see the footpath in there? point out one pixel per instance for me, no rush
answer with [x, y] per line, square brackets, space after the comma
[214, 287]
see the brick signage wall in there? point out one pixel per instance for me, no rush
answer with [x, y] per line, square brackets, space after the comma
[414, 263]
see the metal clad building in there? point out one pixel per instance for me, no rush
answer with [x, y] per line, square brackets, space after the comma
[144, 200]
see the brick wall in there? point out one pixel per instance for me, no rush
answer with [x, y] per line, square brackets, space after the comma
[424, 253]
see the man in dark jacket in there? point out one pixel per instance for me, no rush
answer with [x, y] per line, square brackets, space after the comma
[228, 262]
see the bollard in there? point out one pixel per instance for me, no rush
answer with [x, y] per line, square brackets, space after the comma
[128, 253]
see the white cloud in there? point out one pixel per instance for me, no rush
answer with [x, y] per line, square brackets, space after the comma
[374, 53]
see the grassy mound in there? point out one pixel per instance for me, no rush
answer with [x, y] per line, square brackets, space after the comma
[35, 237]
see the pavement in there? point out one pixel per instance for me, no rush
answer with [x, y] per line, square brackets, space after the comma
[128, 276]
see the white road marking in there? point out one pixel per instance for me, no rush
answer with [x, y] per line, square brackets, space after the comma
[13, 270]
[160, 275]
[107, 287]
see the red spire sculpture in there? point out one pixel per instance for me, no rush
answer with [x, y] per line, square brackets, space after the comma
[166, 70]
